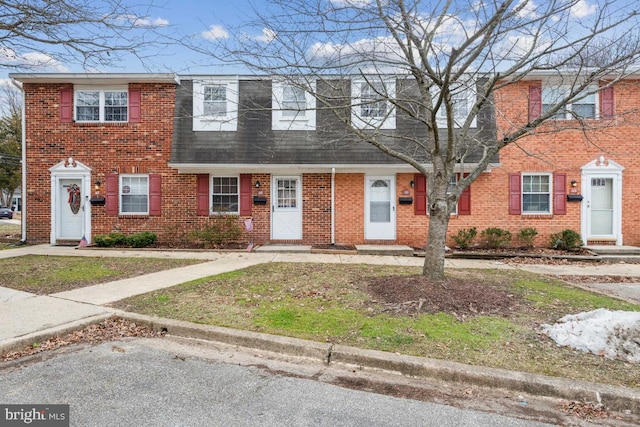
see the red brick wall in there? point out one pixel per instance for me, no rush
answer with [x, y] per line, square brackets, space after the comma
[105, 148]
[316, 204]
[565, 151]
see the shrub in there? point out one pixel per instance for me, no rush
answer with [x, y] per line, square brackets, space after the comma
[527, 236]
[219, 230]
[496, 237]
[566, 240]
[465, 237]
[142, 239]
[111, 239]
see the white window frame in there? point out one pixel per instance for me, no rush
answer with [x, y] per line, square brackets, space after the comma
[549, 192]
[121, 179]
[213, 194]
[465, 95]
[215, 122]
[101, 102]
[360, 122]
[305, 120]
[551, 94]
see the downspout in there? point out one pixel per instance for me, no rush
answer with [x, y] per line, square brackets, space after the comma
[23, 189]
[333, 206]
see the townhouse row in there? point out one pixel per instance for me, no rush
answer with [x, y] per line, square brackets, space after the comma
[161, 153]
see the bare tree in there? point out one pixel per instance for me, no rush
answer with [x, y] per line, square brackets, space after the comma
[10, 145]
[53, 33]
[439, 52]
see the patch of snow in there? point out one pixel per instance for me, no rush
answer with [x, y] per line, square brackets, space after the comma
[612, 334]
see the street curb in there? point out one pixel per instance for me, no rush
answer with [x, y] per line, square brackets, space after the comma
[614, 398]
[18, 343]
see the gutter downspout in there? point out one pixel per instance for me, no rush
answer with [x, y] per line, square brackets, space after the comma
[333, 206]
[23, 189]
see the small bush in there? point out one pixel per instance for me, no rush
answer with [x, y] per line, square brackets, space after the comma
[109, 240]
[220, 230]
[465, 237]
[496, 237]
[567, 240]
[141, 240]
[527, 236]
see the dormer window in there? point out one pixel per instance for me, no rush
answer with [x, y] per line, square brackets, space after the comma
[215, 104]
[372, 107]
[215, 100]
[294, 103]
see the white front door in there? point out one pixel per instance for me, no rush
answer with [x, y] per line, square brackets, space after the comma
[69, 209]
[600, 208]
[286, 208]
[380, 208]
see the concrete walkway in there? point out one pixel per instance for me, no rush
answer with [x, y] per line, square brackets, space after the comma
[27, 318]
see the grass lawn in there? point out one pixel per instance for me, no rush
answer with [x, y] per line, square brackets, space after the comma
[335, 303]
[9, 233]
[50, 274]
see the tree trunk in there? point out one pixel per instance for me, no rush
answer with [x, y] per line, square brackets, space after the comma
[434, 257]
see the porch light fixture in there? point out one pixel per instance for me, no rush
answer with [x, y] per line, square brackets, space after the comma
[412, 183]
[97, 187]
[257, 184]
[574, 183]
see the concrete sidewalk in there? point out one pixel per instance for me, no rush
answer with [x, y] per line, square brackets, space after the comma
[27, 318]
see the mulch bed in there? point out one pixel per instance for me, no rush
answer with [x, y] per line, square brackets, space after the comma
[410, 295]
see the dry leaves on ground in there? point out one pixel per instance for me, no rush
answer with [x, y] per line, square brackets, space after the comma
[108, 330]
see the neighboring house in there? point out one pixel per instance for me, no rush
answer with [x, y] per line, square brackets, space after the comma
[133, 152]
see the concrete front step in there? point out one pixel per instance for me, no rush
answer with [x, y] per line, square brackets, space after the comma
[614, 250]
[392, 250]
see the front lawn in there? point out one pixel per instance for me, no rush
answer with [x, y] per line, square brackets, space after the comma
[43, 275]
[481, 317]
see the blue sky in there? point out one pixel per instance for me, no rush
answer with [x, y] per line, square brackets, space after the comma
[206, 21]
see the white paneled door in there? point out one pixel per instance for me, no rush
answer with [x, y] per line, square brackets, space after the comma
[286, 208]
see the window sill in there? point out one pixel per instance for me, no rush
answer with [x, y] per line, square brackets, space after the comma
[101, 123]
[538, 215]
[132, 216]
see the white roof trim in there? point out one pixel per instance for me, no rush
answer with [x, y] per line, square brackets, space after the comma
[237, 168]
[95, 78]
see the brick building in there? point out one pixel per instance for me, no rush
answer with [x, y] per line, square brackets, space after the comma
[135, 152]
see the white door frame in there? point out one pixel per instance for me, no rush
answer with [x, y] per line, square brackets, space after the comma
[70, 169]
[601, 168]
[369, 230]
[274, 208]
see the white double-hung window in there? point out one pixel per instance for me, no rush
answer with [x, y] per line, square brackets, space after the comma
[372, 107]
[134, 194]
[104, 105]
[293, 105]
[225, 195]
[462, 99]
[536, 193]
[215, 104]
[585, 105]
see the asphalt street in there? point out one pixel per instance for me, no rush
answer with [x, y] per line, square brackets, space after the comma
[133, 383]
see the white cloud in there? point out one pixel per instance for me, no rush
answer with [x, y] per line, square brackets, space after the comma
[529, 9]
[31, 60]
[215, 32]
[144, 22]
[267, 35]
[155, 22]
[582, 8]
[352, 3]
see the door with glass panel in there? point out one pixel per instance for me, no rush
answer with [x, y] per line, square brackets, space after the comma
[380, 209]
[600, 208]
[286, 208]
